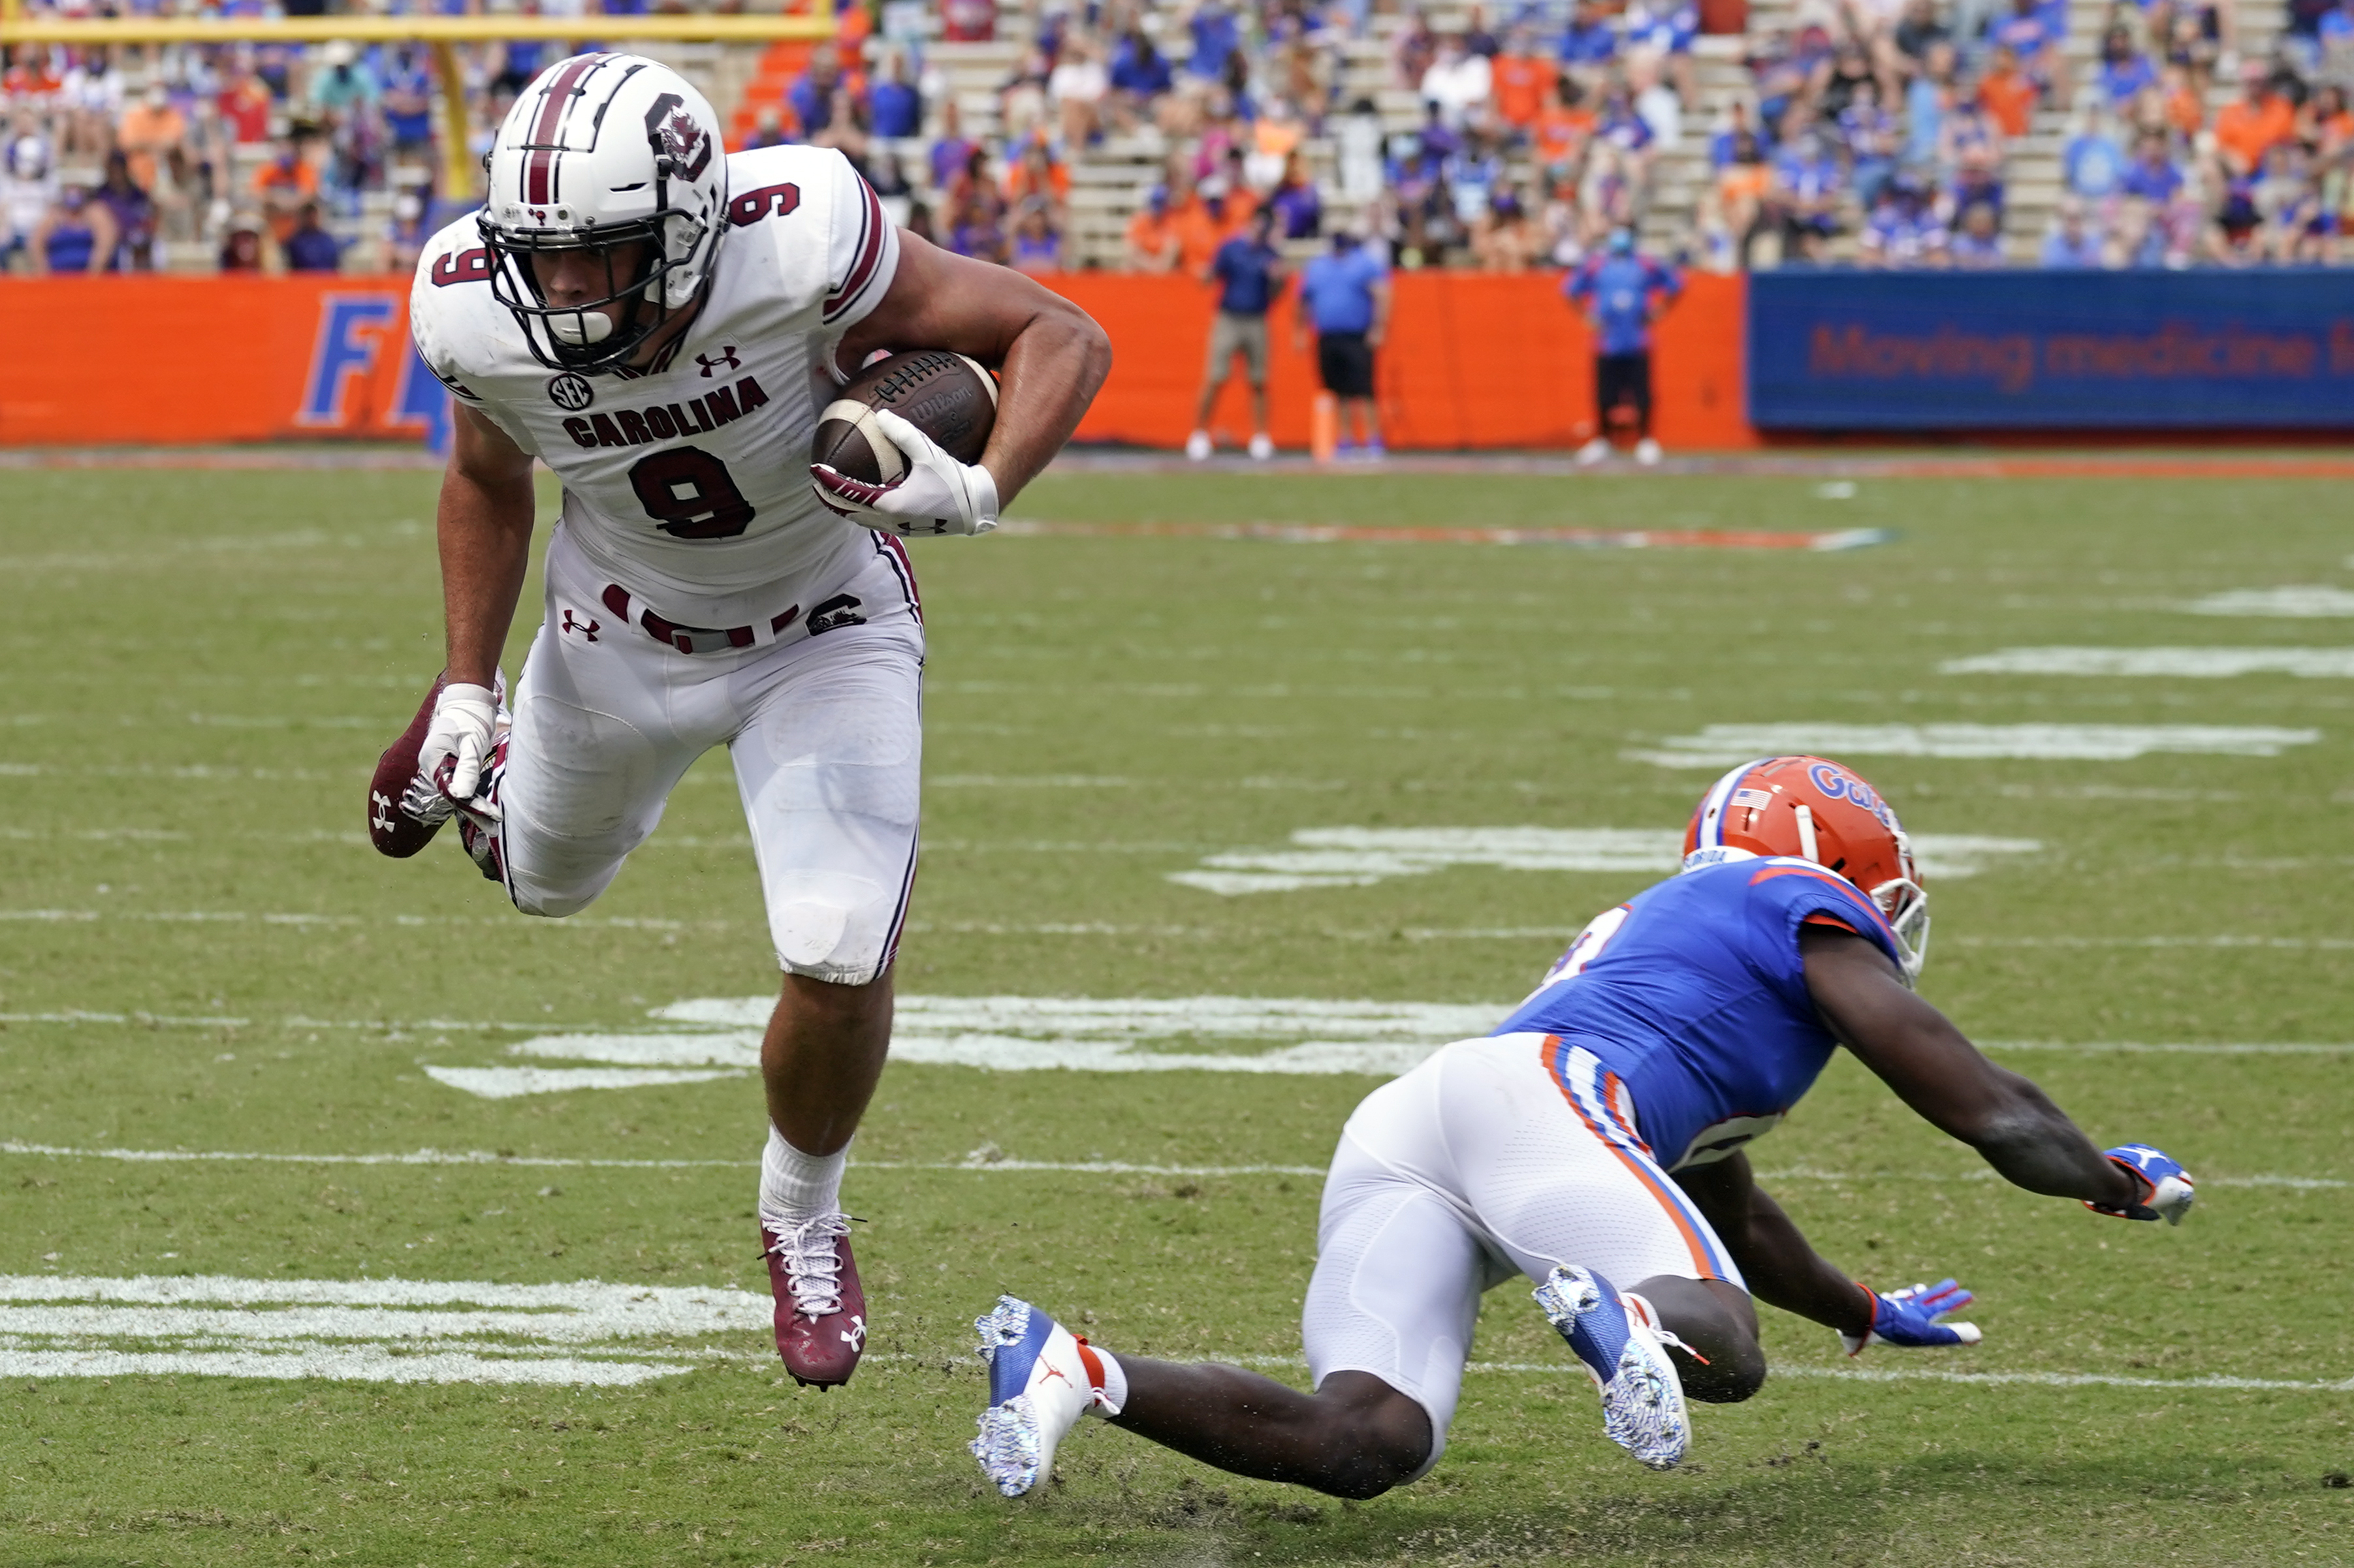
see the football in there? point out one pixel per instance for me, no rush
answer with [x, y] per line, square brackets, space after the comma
[948, 396]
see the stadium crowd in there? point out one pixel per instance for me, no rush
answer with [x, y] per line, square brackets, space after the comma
[1879, 132]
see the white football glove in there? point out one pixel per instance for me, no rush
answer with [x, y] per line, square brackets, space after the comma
[938, 495]
[457, 743]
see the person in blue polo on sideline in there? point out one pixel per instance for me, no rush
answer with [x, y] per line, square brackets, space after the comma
[1617, 289]
[1346, 295]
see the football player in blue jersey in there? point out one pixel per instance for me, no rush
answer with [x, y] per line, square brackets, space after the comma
[1595, 1144]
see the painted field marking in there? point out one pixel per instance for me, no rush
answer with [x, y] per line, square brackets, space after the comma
[2195, 664]
[979, 1161]
[1011, 1034]
[1360, 857]
[368, 1331]
[2302, 602]
[1925, 1374]
[2218, 941]
[1724, 745]
[1569, 538]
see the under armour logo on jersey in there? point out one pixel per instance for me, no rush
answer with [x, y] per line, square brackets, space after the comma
[711, 363]
[587, 629]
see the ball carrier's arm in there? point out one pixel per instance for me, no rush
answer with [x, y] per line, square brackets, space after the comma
[1050, 357]
[484, 525]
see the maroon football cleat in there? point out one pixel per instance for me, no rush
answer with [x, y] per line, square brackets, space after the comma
[820, 1311]
[392, 830]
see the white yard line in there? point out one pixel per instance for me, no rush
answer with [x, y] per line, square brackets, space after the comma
[2311, 601]
[1920, 1375]
[333, 1363]
[978, 1162]
[1724, 745]
[2199, 664]
[1359, 857]
[479, 1157]
[2219, 940]
[374, 1330]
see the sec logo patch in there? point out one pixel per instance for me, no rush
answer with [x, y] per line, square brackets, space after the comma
[570, 392]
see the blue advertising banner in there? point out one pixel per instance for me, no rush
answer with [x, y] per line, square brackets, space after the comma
[1924, 350]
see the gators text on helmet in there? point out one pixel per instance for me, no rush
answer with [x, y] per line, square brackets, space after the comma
[1816, 810]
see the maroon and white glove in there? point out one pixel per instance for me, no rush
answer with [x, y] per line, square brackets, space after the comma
[938, 495]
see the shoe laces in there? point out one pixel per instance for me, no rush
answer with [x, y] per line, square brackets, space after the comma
[812, 1263]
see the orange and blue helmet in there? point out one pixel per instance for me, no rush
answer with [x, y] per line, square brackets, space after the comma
[1813, 809]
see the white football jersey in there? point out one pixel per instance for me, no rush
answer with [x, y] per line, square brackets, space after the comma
[688, 482]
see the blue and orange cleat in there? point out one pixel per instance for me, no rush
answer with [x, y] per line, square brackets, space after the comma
[1642, 1398]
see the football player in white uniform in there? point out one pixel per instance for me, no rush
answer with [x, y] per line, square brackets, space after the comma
[661, 323]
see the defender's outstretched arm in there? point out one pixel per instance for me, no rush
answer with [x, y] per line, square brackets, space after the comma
[1918, 1053]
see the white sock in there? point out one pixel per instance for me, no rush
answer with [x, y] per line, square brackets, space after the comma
[1114, 1397]
[795, 1186]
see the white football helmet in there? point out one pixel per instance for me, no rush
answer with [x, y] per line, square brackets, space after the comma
[599, 151]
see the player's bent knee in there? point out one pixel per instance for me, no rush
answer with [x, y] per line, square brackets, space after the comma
[1731, 1375]
[1380, 1438]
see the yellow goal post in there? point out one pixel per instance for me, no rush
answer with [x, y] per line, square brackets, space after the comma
[442, 34]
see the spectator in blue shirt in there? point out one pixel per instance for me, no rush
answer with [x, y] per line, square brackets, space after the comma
[1977, 238]
[2072, 246]
[1139, 75]
[2093, 162]
[2153, 177]
[2126, 71]
[894, 107]
[311, 249]
[1619, 289]
[1591, 39]
[1903, 230]
[408, 103]
[1345, 296]
[1249, 273]
[1217, 37]
[1803, 200]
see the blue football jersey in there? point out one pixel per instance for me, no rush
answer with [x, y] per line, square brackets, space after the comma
[1693, 996]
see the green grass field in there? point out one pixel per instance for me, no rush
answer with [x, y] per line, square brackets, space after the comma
[198, 955]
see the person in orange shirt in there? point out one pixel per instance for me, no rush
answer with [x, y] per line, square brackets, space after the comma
[1037, 174]
[285, 184]
[1522, 80]
[2184, 108]
[2008, 94]
[1562, 132]
[2249, 127]
[1153, 239]
[1198, 229]
[151, 133]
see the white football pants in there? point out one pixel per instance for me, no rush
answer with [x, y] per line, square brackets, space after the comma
[824, 729]
[1480, 1164]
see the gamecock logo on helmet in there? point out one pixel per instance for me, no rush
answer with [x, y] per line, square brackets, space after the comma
[681, 137]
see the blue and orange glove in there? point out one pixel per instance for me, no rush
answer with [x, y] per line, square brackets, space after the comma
[1908, 1318]
[2166, 1185]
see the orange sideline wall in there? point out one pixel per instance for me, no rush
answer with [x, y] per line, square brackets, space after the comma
[1473, 361]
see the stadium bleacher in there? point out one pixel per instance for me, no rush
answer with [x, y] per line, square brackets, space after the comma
[995, 89]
